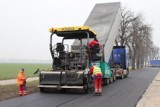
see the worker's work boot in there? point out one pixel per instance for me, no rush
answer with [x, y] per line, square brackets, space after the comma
[100, 93]
[24, 93]
[96, 93]
[20, 93]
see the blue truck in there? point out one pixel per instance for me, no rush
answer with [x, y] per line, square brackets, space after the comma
[154, 63]
[119, 60]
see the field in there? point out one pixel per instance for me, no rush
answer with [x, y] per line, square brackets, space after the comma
[10, 71]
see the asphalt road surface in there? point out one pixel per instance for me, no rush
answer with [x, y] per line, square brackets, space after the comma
[122, 93]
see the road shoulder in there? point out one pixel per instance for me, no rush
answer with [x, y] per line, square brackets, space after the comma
[14, 81]
[151, 97]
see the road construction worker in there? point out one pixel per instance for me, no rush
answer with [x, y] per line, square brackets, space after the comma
[21, 79]
[94, 49]
[93, 42]
[97, 76]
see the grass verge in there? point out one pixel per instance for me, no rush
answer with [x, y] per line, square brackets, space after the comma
[11, 91]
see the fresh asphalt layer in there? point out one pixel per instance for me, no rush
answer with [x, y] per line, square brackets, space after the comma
[122, 93]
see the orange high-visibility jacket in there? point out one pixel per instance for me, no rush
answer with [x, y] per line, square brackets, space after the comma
[21, 78]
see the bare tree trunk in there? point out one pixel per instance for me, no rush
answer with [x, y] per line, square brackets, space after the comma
[133, 63]
[137, 58]
[142, 62]
[116, 42]
[137, 62]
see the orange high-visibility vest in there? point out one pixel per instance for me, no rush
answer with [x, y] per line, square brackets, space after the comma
[96, 70]
[20, 78]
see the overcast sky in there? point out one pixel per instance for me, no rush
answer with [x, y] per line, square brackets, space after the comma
[24, 24]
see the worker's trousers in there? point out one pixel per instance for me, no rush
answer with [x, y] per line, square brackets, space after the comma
[98, 84]
[22, 91]
[25, 87]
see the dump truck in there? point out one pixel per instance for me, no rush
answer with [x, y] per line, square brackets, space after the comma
[70, 68]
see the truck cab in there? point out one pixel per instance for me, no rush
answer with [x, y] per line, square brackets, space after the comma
[119, 59]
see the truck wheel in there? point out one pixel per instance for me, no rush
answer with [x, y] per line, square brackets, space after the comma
[104, 81]
[122, 76]
[111, 79]
[88, 89]
[107, 81]
[88, 84]
[64, 90]
[127, 73]
[114, 76]
[41, 90]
